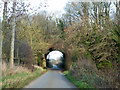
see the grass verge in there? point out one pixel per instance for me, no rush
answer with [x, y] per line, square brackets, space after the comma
[77, 83]
[19, 80]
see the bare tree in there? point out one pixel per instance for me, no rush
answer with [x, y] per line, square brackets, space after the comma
[13, 36]
[2, 27]
[0, 42]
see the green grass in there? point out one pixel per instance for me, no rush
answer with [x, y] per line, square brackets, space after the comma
[78, 83]
[19, 80]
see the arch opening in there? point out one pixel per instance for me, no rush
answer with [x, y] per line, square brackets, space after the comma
[55, 59]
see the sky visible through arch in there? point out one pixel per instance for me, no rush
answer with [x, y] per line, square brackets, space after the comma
[55, 55]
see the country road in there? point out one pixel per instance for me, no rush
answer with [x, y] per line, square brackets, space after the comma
[51, 79]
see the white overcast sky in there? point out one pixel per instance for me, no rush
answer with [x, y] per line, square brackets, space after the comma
[53, 6]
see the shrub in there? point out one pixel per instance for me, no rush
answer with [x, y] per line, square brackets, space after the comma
[86, 71]
[26, 54]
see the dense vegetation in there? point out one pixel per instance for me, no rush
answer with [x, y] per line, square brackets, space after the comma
[89, 33]
[94, 34]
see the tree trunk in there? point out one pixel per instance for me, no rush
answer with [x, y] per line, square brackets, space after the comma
[13, 37]
[0, 51]
[119, 41]
[1, 41]
[2, 27]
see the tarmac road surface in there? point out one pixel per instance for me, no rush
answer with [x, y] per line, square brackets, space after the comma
[51, 79]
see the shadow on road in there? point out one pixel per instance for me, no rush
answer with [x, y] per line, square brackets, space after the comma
[56, 69]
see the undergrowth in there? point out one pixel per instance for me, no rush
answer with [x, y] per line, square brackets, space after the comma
[19, 78]
[79, 83]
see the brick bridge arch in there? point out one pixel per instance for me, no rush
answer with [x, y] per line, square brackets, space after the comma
[60, 46]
